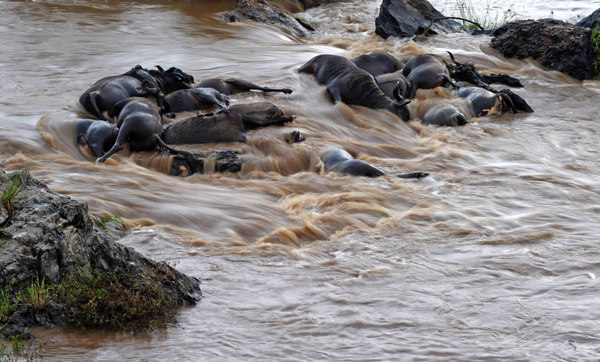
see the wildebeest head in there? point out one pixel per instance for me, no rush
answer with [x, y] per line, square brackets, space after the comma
[172, 79]
[400, 105]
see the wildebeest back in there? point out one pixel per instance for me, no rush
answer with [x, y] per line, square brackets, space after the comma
[222, 127]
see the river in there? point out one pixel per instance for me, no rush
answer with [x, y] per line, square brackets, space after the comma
[493, 256]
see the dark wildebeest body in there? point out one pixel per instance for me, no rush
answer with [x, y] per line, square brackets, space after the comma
[100, 136]
[349, 84]
[138, 82]
[233, 85]
[340, 161]
[426, 71]
[480, 100]
[444, 115]
[194, 99]
[225, 127]
[389, 81]
[139, 123]
[378, 63]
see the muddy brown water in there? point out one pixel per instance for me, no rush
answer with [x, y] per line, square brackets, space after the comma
[494, 256]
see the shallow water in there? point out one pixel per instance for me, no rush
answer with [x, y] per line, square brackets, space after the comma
[491, 257]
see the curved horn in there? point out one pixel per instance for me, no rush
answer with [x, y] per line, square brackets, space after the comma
[453, 59]
[505, 99]
[160, 69]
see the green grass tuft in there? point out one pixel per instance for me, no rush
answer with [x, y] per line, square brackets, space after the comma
[110, 218]
[596, 42]
[38, 294]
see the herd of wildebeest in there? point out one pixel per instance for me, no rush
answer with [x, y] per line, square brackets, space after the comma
[129, 108]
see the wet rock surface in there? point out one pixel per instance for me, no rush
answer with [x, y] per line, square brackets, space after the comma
[555, 44]
[51, 237]
[265, 12]
[405, 18]
[591, 21]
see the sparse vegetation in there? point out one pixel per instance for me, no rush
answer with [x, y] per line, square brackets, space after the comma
[110, 218]
[596, 42]
[38, 294]
[485, 16]
[8, 304]
[115, 301]
[8, 195]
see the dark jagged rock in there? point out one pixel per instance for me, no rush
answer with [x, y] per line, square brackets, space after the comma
[592, 21]
[51, 237]
[555, 44]
[405, 18]
[262, 11]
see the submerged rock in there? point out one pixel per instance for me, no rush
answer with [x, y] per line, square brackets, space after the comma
[51, 238]
[555, 44]
[405, 18]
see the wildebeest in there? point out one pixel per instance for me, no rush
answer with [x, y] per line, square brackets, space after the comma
[426, 71]
[349, 84]
[137, 82]
[444, 115]
[340, 161]
[394, 82]
[377, 63]
[195, 99]
[100, 136]
[233, 85]
[483, 101]
[225, 127]
[140, 124]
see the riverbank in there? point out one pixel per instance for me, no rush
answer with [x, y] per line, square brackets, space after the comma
[60, 266]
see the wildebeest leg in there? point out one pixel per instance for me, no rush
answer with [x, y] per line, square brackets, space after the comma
[94, 99]
[244, 85]
[417, 174]
[118, 146]
[190, 156]
[335, 92]
[252, 121]
[202, 98]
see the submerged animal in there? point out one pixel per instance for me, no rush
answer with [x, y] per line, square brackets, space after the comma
[427, 71]
[377, 63]
[444, 115]
[340, 161]
[483, 101]
[233, 85]
[349, 84]
[140, 125]
[225, 126]
[137, 82]
[194, 99]
[100, 136]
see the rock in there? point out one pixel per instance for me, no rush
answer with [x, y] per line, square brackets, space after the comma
[405, 18]
[262, 11]
[555, 44]
[592, 21]
[51, 237]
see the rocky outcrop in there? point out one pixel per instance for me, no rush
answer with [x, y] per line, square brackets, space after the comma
[50, 237]
[555, 44]
[405, 18]
[592, 21]
[265, 12]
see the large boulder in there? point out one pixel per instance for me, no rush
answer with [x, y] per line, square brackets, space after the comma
[555, 44]
[592, 21]
[51, 237]
[405, 18]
